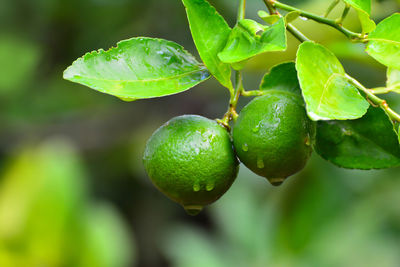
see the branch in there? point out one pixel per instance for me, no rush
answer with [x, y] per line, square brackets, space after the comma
[231, 114]
[320, 19]
[375, 100]
[290, 28]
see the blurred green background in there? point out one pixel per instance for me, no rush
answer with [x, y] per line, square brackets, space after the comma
[73, 191]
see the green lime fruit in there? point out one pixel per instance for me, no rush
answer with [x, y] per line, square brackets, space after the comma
[273, 136]
[191, 160]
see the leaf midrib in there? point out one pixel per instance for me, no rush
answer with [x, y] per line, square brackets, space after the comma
[372, 141]
[385, 41]
[146, 80]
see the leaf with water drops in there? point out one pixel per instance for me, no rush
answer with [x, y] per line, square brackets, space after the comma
[138, 68]
[384, 42]
[248, 39]
[326, 91]
[282, 77]
[366, 143]
[210, 33]
[363, 8]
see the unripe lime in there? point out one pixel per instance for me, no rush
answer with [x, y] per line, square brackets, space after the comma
[273, 136]
[191, 160]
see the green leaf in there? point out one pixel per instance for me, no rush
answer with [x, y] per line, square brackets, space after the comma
[364, 5]
[384, 42]
[270, 19]
[366, 143]
[291, 16]
[210, 33]
[244, 42]
[363, 8]
[282, 77]
[367, 24]
[138, 68]
[326, 91]
[393, 79]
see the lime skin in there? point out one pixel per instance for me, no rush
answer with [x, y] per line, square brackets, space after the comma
[191, 160]
[273, 135]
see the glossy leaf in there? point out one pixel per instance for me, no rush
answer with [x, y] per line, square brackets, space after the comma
[210, 33]
[282, 77]
[384, 42]
[363, 8]
[138, 68]
[393, 80]
[327, 93]
[364, 5]
[291, 16]
[366, 143]
[270, 19]
[244, 42]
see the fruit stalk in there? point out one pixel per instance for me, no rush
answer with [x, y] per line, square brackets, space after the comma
[234, 96]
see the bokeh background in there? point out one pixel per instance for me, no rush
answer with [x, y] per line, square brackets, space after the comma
[73, 191]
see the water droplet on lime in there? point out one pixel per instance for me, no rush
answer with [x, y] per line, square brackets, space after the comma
[193, 210]
[256, 129]
[196, 187]
[260, 163]
[245, 147]
[276, 181]
[210, 186]
[308, 141]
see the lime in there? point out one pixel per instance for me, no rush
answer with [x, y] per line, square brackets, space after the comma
[191, 160]
[273, 136]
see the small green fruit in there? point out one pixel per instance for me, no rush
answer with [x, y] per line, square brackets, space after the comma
[191, 160]
[273, 136]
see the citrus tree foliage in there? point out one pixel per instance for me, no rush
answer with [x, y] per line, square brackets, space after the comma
[355, 127]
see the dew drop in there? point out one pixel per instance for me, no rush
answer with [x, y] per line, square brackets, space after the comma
[256, 129]
[210, 186]
[347, 132]
[245, 147]
[276, 181]
[196, 187]
[260, 163]
[193, 210]
[307, 141]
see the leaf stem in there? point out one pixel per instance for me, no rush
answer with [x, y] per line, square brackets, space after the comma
[290, 28]
[253, 93]
[375, 100]
[296, 33]
[344, 14]
[380, 90]
[331, 7]
[231, 113]
[351, 35]
[241, 10]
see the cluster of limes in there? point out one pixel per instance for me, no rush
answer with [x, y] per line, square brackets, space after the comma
[193, 160]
